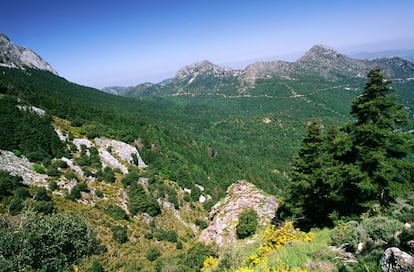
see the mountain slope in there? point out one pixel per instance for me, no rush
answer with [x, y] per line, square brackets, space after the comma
[12, 55]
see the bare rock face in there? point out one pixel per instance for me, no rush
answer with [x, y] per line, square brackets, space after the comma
[224, 215]
[395, 260]
[13, 56]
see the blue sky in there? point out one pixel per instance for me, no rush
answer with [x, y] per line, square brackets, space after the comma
[105, 43]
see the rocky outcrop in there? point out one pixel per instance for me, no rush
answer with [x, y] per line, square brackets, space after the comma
[395, 260]
[123, 151]
[224, 215]
[15, 56]
[21, 166]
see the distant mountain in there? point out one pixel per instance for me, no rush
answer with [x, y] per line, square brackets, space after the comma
[15, 56]
[319, 62]
[407, 54]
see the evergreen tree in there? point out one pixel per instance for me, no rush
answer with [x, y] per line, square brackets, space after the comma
[315, 189]
[379, 148]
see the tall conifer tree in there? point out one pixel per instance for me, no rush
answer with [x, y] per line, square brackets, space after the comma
[379, 148]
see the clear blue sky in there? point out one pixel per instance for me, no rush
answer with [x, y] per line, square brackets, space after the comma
[107, 42]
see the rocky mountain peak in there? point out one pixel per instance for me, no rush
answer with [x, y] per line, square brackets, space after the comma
[203, 67]
[320, 52]
[15, 56]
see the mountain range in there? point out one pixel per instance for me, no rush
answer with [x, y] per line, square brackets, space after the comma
[320, 61]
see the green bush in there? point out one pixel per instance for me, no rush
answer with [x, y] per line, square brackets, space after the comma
[40, 194]
[195, 255]
[21, 192]
[8, 183]
[96, 267]
[107, 175]
[351, 233]
[131, 177]
[44, 207]
[52, 186]
[40, 169]
[116, 212]
[140, 201]
[201, 223]
[166, 235]
[247, 223]
[153, 253]
[99, 193]
[119, 234]
[51, 243]
[75, 193]
[381, 229]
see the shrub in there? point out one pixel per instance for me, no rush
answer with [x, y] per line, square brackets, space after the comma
[75, 193]
[52, 186]
[148, 235]
[201, 223]
[140, 201]
[247, 223]
[99, 193]
[179, 245]
[153, 253]
[406, 236]
[44, 207]
[8, 183]
[116, 212]
[21, 193]
[166, 235]
[52, 171]
[130, 178]
[194, 257]
[96, 267]
[382, 229]
[40, 194]
[119, 234]
[351, 233]
[40, 169]
[51, 243]
[61, 164]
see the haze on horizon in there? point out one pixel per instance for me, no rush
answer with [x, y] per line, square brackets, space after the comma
[107, 43]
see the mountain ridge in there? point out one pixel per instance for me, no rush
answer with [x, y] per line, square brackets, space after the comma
[320, 61]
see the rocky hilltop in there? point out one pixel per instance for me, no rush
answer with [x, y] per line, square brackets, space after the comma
[15, 56]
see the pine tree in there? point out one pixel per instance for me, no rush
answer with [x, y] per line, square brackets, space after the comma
[379, 148]
[313, 192]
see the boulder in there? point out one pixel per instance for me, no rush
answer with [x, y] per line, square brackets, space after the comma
[395, 260]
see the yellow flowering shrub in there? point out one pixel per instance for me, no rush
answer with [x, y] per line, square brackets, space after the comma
[276, 238]
[208, 263]
[273, 239]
